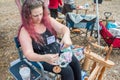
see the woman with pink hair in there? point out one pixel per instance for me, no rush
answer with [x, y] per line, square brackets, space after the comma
[38, 38]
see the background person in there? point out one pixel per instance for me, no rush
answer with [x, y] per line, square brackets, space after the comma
[53, 6]
[94, 4]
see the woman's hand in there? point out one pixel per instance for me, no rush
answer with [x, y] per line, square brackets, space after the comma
[51, 58]
[66, 40]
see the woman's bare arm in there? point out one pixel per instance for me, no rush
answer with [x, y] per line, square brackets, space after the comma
[64, 30]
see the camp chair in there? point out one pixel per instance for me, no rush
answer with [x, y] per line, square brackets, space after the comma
[78, 21]
[94, 63]
[108, 37]
[21, 62]
[37, 70]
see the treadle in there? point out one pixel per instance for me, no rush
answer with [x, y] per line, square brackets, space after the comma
[14, 70]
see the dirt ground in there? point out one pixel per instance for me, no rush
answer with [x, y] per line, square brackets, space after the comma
[10, 21]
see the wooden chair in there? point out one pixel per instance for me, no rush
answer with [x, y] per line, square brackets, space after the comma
[96, 64]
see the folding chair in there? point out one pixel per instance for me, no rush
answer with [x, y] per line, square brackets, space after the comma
[21, 62]
[78, 21]
[36, 68]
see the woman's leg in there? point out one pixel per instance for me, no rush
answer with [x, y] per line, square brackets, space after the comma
[66, 73]
[54, 13]
[76, 68]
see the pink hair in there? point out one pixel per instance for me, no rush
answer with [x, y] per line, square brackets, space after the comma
[27, 22]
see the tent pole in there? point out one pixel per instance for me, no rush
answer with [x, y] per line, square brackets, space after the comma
[97, 12]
